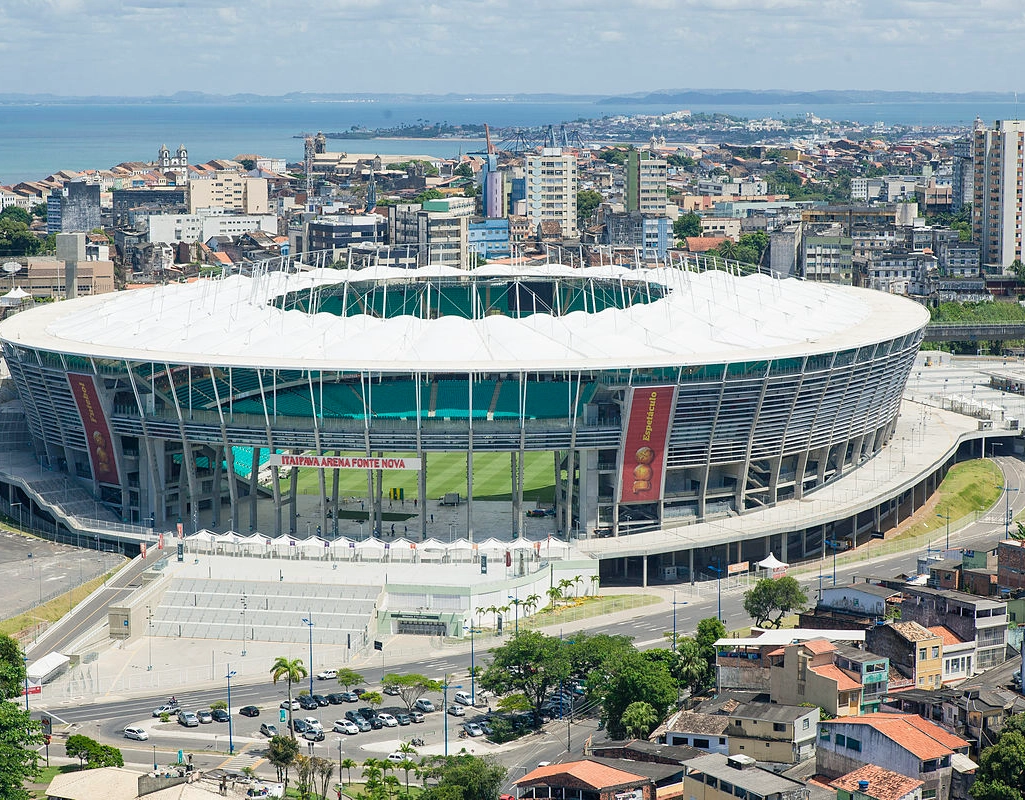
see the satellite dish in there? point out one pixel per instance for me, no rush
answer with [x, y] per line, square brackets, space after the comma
[12, 267]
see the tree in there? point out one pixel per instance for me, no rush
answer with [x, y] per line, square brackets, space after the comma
[531, 663]
[614, 155]
[372, 699]
[687, 225]
[1000, 769]
[588, 201]
[291, 670]
[710, 630]
[92, 754]
[38, 211]
[78, 746]
[17, 214]
[305, 776]
[639, 719]
[325, 768]
[282, 752]
[428, 194]
[554, 595]
[407, 766]
[772, 599]
[595, 653]
[465, 777]
[464, 170]
[347, 765]
[680, 161]
[635, 678]
[248, 164]
[347, 678]
[16, 239]
[692, 668]
[20, 737]
[411, 687]
[12, 667]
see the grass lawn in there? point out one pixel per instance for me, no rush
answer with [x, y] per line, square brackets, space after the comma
[37, 787]
[446, 472]
[969, 486]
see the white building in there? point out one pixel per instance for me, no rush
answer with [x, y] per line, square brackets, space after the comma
[552, 189]
[201, 227]
[229, 190]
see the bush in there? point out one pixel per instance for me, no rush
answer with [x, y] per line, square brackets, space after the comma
[218, 704]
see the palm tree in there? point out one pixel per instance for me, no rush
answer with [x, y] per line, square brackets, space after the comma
[347, 765]
[325, 768]
[554, 594]
[576, 583]
[594, 584]
[391, 784]
[291, 670]
[481, 611]
[494, 610]
[407, 766]
[564, 584]
[532, 601]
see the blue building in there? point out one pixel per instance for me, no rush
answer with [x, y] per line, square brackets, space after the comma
[488, 238]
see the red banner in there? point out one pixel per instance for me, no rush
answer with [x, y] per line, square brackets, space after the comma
[97, 434]
[645, 451]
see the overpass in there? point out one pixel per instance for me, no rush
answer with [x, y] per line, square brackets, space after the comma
[974, 331]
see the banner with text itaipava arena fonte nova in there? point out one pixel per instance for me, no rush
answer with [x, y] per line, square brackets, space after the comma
[644, 453]
[97, 433]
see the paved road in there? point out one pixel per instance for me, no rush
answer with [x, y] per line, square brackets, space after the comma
[91, 612]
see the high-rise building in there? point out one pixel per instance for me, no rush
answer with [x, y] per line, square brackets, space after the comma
[230, 191]
[74, 207]
[999, 156]
[646, 182]
[552, 189]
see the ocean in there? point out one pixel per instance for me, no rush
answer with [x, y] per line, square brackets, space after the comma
[39, 139]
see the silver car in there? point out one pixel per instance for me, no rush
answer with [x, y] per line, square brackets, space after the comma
[188, 719]
[133, 732]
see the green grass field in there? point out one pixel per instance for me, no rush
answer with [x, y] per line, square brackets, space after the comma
[446, 472]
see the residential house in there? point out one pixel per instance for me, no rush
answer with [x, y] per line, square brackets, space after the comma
[742, 663]
[587, 779]
[771, 732]
[858, 606]
[842, 680]
[871, 782]
[912, 649]
[906, 743]
[706, 732]
[958, 655]
[721, 777]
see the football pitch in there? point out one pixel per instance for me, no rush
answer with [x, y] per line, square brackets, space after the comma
[446, 472]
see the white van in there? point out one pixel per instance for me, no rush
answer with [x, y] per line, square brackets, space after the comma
[464, 698]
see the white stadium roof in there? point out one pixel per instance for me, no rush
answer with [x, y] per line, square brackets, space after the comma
[706, 317]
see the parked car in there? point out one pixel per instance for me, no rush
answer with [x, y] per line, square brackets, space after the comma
[367, 713]
[204, 716]
[295, 705]
[166, 708]
[220, 715]
[327, 675]
[486, 727]
[473, 729]
[139, 734]
[335, 698]
[307, 703]
[416, 716]
[392, 690]
[313, 722]
[249, 711]
[363, 725]
[425, 705]
[345, 726]
[321, 700]
[314, 734]
[353, 716]
[188, 719]
[463, 698]
[268, 730]
[397, 757]
[402, 719]
[299, 725]
[388, 720]
[456, 711]
[349, 697]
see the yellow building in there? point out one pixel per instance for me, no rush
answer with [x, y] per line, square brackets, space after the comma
[231, 191]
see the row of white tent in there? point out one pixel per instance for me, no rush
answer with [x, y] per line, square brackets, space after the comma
[372, 548]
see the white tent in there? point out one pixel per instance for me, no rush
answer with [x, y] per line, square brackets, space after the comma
[522, 544]
[312, 546]
[401, 549]
[771, 562]
[227, 538]
[460, 550]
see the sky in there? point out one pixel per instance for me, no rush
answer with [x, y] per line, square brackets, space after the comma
[271, 47]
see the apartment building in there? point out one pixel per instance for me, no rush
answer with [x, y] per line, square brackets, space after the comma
[825, 253]
[913, 649]
[551, 189]
[228, 190]
[999, 156]
[972, 619]
[201, 227]
[442, 235]
[842, 680]
[646, 183]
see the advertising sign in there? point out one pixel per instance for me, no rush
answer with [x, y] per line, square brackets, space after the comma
[97, 434]
[740, 566]
[644, 452]
[342, 462]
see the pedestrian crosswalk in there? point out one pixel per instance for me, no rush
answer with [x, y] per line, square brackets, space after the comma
[242, 759]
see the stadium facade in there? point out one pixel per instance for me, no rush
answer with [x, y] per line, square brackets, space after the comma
[665, 396]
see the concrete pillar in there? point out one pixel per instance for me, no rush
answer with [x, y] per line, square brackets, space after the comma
[690, 555]
[644, 571]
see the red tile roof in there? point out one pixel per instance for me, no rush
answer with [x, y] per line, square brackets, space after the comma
[701, 244]
[921, 738]
[818, 646]
[844, 682]
[947, 635]
[882, 783]
[591, 773]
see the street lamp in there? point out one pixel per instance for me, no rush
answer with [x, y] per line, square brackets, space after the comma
[473, 664]
[675, 604]
[231, 741]
[244, 606]
[149, 637]
[947, 518]
[1007, 508]
[444, 689]
[718, 578]
[25, 659]
[833, 545]
[308, 622]
[516, 602]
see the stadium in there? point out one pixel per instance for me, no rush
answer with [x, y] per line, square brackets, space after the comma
[658, 397]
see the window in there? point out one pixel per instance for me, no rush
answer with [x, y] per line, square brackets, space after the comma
[824, 734]
[701, 744]
[779, 727]
[853, 744]
[841, 740]
[806, 724]
[936, 652]
[922, 654]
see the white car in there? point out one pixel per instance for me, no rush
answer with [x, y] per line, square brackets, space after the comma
[345, 726]
[397, 757]
[464, 698]
[139, 734]
[456, 711]
[388, 720]
[425, 705]
[327, 675]
[295, 704]
[313, 722]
